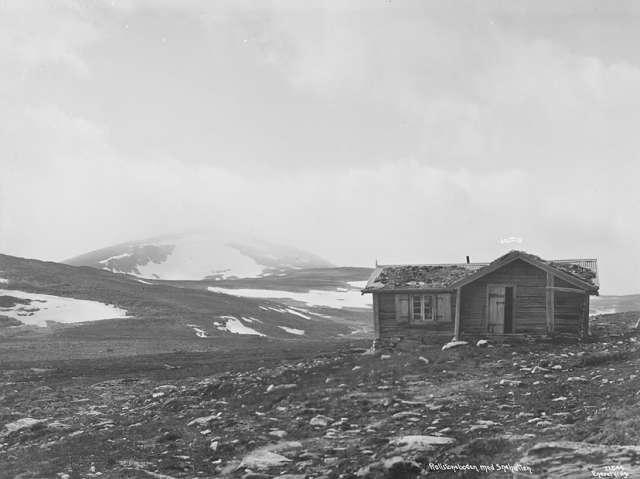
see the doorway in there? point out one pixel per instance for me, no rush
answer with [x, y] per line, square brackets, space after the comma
[500, 300]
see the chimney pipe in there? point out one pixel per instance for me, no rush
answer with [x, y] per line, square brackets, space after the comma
[467, 259]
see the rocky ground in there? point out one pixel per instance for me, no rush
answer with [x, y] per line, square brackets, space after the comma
[518, 409]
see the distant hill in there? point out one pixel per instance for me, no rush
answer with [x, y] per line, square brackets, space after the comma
[34, 292]
[201, 255]
[614, 304]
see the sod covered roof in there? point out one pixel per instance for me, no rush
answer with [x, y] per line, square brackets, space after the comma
[447, 276]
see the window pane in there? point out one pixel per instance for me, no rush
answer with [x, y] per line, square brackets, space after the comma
[428, 311]
[416, 308]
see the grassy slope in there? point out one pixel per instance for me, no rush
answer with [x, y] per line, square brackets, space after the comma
[160, 311]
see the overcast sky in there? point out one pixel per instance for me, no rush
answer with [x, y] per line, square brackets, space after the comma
[402, 131]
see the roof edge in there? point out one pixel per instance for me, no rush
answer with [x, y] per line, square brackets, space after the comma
[528, 258]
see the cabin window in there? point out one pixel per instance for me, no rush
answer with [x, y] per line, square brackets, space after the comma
[422, 308]
[429, 308]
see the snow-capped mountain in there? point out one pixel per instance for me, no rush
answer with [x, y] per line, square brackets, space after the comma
[197, 256]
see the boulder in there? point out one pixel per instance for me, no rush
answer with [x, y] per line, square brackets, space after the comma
[202, 421]
[24, 423]
[454, 344]
[420, 443]
[320, 420]
[395, 466]
[268, 456]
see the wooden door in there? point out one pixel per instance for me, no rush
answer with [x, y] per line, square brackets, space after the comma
[509, 309]
[495, 320]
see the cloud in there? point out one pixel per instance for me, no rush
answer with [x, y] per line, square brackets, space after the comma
[35, 33]
[391, 130]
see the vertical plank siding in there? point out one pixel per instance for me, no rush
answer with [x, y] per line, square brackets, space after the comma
[530, 299]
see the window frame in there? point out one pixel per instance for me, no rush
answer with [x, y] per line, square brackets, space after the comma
[432, 309]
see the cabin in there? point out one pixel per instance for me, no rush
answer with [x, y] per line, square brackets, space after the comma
[517, 294]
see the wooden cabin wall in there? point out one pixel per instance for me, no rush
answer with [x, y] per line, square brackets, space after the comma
[569, 312]
[387, 314]
[530, 299]
[392, 326]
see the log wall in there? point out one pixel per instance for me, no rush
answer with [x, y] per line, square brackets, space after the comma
[391, 325]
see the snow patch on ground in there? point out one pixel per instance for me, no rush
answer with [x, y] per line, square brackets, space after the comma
[118, 256]
[201, 333]
[4, 281]
[331, 299]
[297, 313]
[251, 319]
[45, 307]
[234, 325]
[299, 332]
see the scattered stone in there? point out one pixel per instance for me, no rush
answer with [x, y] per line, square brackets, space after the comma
[538, 369]
[421, 443]
[454, 344]
[482, 343]
[577, 379]
[320, 420]
[510, 382]
[267, 457]
[281, 387]
[24, 423]
[202, 421]
[544, 423]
